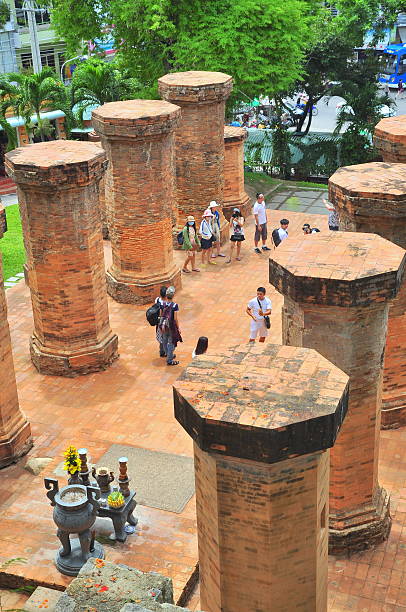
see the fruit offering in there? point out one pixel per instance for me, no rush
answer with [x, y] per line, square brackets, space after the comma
[116, 499]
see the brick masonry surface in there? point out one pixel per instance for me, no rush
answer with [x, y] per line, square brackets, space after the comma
[234, 190]
[372, 198]
[138, 137]
[262, 528]
[3, 220]
[390, 139]
[93, 137]
[15, 432]
[199, 139]
[337, 289]
[58, 196]
[132, 403]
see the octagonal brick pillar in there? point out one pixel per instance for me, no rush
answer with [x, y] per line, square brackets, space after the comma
[3, 220]
[337, 287]
[390, 139]
[93, 137]
[57, 185]
[263, 419]
[199, 140]
[15, 431]
[138, 137]
[234, 188]
[372, 198]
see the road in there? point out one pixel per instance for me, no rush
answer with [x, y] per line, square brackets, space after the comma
[325, 120]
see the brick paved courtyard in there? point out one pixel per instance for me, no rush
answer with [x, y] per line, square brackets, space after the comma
[131, 403]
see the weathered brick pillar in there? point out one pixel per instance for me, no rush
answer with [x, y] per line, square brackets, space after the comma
[93, 137]
[138, 137]
[390, 139]
[57, 185]
[199, 139]
[337, 287]
[15, 432]
[262, 420]
[234, 189]
[3, 220]
[372, 198]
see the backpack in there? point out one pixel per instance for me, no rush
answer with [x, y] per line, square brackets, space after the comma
[179, 238]
[275, 237]
[152, 314]
[165, 318]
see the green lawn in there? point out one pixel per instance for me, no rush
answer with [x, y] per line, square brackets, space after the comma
[264, 180]
[11, 245]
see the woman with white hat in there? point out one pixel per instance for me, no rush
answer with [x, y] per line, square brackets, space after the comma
[215, 226]
[206, 237]
[190, 244]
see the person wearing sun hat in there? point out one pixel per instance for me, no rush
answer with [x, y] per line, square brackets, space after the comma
[206, 237]
[215, 226]
[190, 244]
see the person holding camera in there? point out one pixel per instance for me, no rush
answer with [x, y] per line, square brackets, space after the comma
[259, 309]
[237, 233]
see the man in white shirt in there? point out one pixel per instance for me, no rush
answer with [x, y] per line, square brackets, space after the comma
[261, 231]
[258, 308]
[280, 234]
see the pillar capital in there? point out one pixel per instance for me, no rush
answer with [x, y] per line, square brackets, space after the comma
[227, 406]
[139, 119]
[338, 269]
[234, 134]
[58, 164]
[390, 138]
[377, 189]
[195, 87]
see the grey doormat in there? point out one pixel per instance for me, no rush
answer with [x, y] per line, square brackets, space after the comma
[161, 480]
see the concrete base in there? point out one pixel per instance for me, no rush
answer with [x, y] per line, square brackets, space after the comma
[364, 529]
[70, 565]
[90, 359]
[141, 291]
[393, 416]
[244, 205]
[17, 446]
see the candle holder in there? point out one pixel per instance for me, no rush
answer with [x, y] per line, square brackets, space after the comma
[123, 479]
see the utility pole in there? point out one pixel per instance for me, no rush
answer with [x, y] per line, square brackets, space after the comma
[30, 8]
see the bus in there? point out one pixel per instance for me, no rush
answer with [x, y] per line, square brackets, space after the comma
[394, 57]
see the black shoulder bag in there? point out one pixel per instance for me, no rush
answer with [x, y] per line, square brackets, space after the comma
[266, 317]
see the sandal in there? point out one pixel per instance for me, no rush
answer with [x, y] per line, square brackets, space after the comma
[195, 269]
[228, 261]
[238, 258]
[173, 363]
[185, 271]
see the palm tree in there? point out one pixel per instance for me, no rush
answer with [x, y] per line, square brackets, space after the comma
[30, 94]
[96, 82]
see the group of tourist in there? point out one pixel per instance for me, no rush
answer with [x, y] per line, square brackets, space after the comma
[207, 238]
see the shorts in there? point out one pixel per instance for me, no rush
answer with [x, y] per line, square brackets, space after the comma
[258, 327]
[206, 243]
[237, 238]
[263, 233]
[333, 228]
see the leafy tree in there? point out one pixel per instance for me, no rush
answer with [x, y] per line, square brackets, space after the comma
[333, 41]
[261, 44]
[4, 13]
[97, 82]
[362, 111]
[29, 94]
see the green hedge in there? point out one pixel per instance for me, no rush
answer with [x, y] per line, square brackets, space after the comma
[11, 245]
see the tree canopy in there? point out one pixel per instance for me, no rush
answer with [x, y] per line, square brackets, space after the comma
[261, 44]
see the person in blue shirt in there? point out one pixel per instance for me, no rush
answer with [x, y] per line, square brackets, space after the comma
[215, 225]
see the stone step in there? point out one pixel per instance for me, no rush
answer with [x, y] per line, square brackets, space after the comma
[43, 599]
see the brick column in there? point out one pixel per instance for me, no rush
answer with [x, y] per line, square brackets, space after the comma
[57, 185]
[234, 189]
[262, 419]
[337, 288]
[372, 198]
[15, 432]
[199, 140]
[138, 137]
[3, 220]
[93, 137]
[390, 139]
